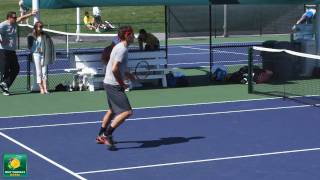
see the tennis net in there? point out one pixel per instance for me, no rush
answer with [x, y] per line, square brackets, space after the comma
[284, 73]
[69, 41]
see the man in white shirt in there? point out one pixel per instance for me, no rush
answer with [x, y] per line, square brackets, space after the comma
[116, 72]
[96, 11]
[106, 25]
[97, 16]
[23, 10]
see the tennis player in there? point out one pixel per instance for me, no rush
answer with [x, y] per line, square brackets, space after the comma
[116, 71]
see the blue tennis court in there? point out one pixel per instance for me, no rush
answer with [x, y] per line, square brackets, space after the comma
[252, 139]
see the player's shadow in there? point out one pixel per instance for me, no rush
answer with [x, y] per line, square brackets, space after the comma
[158, 142]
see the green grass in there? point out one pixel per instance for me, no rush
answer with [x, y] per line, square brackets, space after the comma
[148, 17]
[6, 6]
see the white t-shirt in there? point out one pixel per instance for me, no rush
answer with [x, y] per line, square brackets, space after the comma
[119, 54]
[96, 11]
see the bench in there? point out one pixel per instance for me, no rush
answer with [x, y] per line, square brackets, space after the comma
[156, 60]
[89, 71]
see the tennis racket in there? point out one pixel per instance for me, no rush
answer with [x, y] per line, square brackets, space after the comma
[142, 70]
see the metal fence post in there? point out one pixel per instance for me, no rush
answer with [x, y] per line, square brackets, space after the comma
[250, 78]
[29, 59]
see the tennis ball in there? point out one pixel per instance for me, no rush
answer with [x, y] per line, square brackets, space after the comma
[14, 163]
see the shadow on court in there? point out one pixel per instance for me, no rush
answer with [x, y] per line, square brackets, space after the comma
[158, 142]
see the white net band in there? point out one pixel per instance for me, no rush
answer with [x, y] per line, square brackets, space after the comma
[71, 34]
[308, 56]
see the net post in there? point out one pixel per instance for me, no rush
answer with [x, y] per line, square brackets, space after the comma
[210, 41]
[29, 59]
[225, 20]
[284, 92]
[317, 29]
[166, 32]
[78, 29]
[250, 61]
[260, 22]
[67, 45]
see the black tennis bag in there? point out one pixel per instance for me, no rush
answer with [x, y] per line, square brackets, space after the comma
[105, 56]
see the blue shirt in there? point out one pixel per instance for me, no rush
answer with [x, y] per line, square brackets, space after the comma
[116, 40]
[8, 36]
[310, 13]
[36, 46]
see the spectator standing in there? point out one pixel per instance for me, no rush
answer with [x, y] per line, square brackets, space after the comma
[97, 14]
[43, 53]
[9, 66]
[106, 25]
[23, 10]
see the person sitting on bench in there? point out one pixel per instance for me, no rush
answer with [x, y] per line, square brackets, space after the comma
[151, 41]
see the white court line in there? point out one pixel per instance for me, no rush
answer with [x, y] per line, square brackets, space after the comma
[200, 161]
[151, 107]
[217, 62]
[58, 59]
[161, 117]
[220, 51]
[178, 45]
[190, 47]
[50, 125]
[188, 63]
[42, 156]
[51, 70]
[230, 52]
[180, 54]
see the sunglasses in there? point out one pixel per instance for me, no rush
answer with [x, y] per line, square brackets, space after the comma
[13, 17]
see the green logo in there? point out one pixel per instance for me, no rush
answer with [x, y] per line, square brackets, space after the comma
[14, 165]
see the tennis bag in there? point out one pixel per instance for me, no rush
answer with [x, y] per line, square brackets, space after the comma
[105, 56]
[219, 74]
[316, 72]
[262, 76]
[171, 80]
